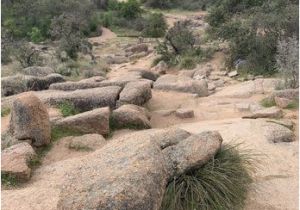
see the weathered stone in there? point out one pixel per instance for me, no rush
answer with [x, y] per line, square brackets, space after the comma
[242, 107]
[131, 172]
[38, 71]
[193, 152]
[181, 84]
[282, 102]
[147, 74]
[290, 94]
[21, 83]
[116, 59]
[71, 86]
[284, 122]
[30, 120]
[87, 99]
[272, 112]
[277, 133]
[88, 142]
[233, 74]
[95, 121]
[184, 113]
[137, 93]
[14, 161]
[160, 68]
[130, 116]
[202, 73]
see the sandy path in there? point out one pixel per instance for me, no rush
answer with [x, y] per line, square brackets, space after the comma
[276, 183]
[106, 35]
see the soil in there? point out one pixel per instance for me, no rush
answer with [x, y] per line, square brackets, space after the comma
[276, 179]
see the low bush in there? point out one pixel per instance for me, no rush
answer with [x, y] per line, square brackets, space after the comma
[188, 63]
[222, 183]
[27, 55]
[67, 109]
[156, 26]
[5, 111]
[268, 102]
[58, 133]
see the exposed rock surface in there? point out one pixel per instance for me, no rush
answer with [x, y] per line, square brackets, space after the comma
[282, 102]
[160, 68]
[184, 113]
[277, 133]
[87, 99]
[137, 93]
[71, 86]
[95, 121]
[130, 116]
[14, 161]
[30, 120]
[86, 142]
[181, 84]
[131, 172]
[272, 112]
[20, 83]
[247, 89]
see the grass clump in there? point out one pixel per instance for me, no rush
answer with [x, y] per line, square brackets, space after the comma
[59, 132]
[9, 180]
[268, 102]
[5, 111]
[222, 183]
[67, 109]
[293, 105]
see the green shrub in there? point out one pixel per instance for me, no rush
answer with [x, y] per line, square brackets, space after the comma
[188, 63]
[268, 102]
[130, 9]
[35, 35]
[27, 55]
[5, 111]
[9, 180]
[59, 132]
[156, 26]
[222, 183]
[67, 109]
[293, 105]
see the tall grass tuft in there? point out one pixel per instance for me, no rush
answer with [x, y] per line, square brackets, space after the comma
[221, 184]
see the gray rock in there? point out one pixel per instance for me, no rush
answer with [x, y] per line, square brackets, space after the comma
[184, 113]
[88, 142]
[242, 107]
[287, 94]
[30, 120]
[95, 121]
[38, 71]
[233, 74]
[131, 172]
[21, 83]
[87, 99]
[166, 112]
[137, 93]
[160, 68]
[71, 86]
[15, 159]
[187, 73]
[130, 116]
[282, 102]
[277, 133]
[181, 84]
[272, 112]
[193, 152]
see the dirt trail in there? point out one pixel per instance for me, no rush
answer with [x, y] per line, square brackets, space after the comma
[276, 182]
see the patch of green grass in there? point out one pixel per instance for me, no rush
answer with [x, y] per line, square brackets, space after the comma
[5, 111]
[188, 63]
[36, 161]
[222, 183]
[8, 180]
[293, 105]
[59, 132]
[268, 102]
[67, 109]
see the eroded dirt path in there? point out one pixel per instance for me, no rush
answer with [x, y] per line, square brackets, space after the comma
[276, 180]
